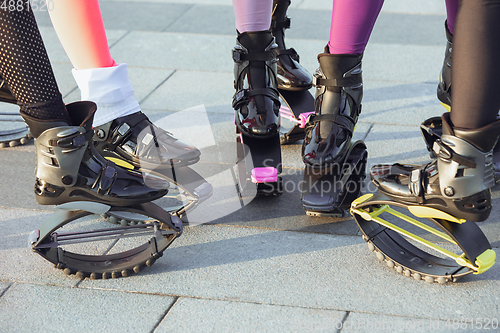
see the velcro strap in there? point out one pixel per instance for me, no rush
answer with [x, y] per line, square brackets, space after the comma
[261, 56]
[340, 119]
[350, 81]
[76, 140]
[415, 184]
[445, 152]
[108, 176]
[242, 96]
[281, 24]
[290, 52]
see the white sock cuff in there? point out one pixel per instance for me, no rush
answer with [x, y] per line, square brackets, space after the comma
[110, 88]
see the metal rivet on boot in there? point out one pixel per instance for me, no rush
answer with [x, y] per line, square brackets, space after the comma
[67, 180]
[449, 191]
[100, 133]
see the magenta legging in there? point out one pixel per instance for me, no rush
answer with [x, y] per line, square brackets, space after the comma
[451, 14]
[352, 21]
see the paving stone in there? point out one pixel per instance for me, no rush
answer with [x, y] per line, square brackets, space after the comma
[246, 317]
[301, 269]
[363, 322]
[17, 262]
[4, 286]
[74, 309]
[191, 89]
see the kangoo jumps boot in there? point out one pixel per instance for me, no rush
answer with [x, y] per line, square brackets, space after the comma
[256, 101]
[68, 168]
[291, 75]
[339, 90]
[456, 182]
[134, 142]
[444, 85]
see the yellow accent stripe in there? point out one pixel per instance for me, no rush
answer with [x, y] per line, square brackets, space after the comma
[121, 163]
[446, 106]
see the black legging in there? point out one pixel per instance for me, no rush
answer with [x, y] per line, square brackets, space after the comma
[25, 66]
[476, 64]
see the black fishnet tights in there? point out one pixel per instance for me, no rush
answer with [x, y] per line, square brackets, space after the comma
[25, 66]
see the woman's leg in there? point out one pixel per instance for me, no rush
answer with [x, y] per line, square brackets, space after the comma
[476, 69]
[25, 67]
[80, 28]
[339, 86]
[256, 98]
[68, 167]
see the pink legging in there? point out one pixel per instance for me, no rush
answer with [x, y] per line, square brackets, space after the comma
[79, 26]
[252, 15]
[352, 21]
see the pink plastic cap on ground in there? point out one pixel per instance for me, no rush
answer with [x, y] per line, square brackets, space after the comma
[264, 175]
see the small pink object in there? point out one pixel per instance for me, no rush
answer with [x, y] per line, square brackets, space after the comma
[303, 118]
[264, 175]
[285, 112]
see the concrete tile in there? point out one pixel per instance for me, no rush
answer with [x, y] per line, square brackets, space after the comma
[301, 269]
[399, 103]
[200, 2]
[4, 286]
[391, 144]
[414, 7]
[148, 16]
[17, 262]
[70, 309]
[363, 322]
[16, 187]
[192, 88]
[246, 317]
[177, 50]
[206, 19]
[402, 62]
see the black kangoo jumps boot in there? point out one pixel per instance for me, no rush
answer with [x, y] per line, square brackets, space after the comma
[444, 85]
[68, 168]
[256, 100]
[339, 90]
[291, 74]
[457, 182]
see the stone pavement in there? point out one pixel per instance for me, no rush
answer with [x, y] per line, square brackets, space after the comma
[266, 266]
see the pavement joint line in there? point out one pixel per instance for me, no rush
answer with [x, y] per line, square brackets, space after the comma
[158, 86]
[179, 17]
[225, 300]
[6, 289]
[347, 313]
[70, 92]
[120, 39]
[368, 131]
[165, 314]
[342, 219]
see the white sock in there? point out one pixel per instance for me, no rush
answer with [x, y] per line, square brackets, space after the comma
[110, 88]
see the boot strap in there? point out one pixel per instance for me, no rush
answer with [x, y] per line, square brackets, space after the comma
[341, 120]
[444, 152]
[106, 175]
[242, 97]
[350, 81]
[240, 56]
[415, 184]
[285, 24]
[290, 52]
[74, 139]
